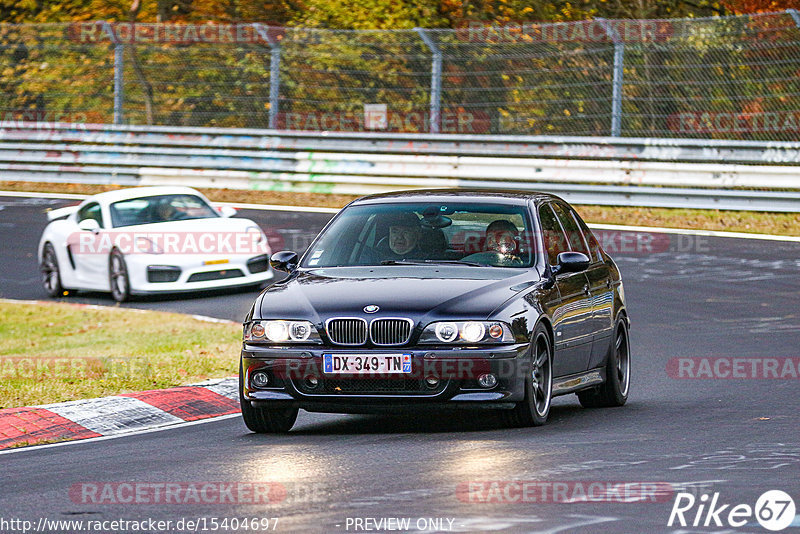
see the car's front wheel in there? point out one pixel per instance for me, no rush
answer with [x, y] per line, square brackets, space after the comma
[614, 391]
[265, 420]
[534, 409]
[118, 277]
[51, 276]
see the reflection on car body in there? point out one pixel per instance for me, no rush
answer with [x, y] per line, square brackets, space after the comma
[439, 300]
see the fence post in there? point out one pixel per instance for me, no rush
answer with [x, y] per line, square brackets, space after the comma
[274, 73]
[119, 69]
[616, 94]
[795, 16]
[436, 79]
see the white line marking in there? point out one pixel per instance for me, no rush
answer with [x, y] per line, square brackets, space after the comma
[207, 319]
[599, 226]
[66, 196]
[686, 231]
[115, 436]
[276, 207]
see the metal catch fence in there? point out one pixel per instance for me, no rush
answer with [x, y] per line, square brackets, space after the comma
[723, 77]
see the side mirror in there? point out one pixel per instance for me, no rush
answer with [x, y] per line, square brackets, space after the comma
[89, 225]
[285, 261]
[227, 211]
[572, 262]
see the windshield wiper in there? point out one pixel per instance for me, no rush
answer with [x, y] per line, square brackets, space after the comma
[433, 262]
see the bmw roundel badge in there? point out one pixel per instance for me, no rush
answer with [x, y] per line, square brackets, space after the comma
[371, 308]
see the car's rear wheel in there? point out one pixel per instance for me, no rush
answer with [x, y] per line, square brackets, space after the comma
[263, 420]
[614, 391]
[51, 276]
[534, 409]
[118, 277]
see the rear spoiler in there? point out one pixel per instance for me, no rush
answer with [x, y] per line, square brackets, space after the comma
[61, 213]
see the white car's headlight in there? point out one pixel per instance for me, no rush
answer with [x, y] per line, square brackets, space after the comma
[281, 332]
[472, 332]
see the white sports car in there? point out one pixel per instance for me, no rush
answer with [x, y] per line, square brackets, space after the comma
[150, 239]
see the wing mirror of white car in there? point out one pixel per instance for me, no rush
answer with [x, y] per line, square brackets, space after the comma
[89, 225]
[227, 211]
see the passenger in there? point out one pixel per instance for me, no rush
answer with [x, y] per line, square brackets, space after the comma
[502, 237]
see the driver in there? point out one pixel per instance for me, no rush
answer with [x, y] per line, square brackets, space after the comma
[165, 211]
[404, 235]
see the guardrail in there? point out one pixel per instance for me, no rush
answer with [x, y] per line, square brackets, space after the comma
[584, 170]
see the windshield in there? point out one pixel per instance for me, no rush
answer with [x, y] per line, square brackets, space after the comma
[458, 233]
[159, 208]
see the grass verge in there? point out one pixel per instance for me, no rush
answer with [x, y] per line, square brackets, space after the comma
[728, 221]
[54, 352]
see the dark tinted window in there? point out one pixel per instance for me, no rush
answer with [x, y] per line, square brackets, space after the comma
[594, 246]
[574, 235]
[91, 211]
[553, 236]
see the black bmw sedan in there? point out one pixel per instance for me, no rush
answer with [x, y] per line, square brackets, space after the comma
[439, 299]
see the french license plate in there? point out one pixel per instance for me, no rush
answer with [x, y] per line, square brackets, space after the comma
[366, 364]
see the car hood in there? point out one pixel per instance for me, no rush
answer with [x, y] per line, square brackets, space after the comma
[406, 291]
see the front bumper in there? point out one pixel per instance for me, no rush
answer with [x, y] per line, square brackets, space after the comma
[289, 371]
[190, 267]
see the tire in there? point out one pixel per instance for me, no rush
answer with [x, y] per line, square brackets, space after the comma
[118, 278]
[265, 420]
[534, 409]
[51, 275]
[614, 391]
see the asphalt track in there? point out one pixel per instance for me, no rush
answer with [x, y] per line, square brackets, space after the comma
[694, 297]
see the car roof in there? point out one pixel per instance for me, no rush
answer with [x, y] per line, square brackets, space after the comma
[138, 192]
[463, 195]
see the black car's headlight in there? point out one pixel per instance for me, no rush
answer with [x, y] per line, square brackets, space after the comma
[281, 332]
[470, 332]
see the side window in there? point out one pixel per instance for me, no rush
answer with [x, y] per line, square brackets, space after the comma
[91, 211]
[574, 235]
[594, 246]
[553, 236]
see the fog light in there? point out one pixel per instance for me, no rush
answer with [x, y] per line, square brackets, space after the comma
[487, 381]
[432, 381]
[312, 381]
[260, 379]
